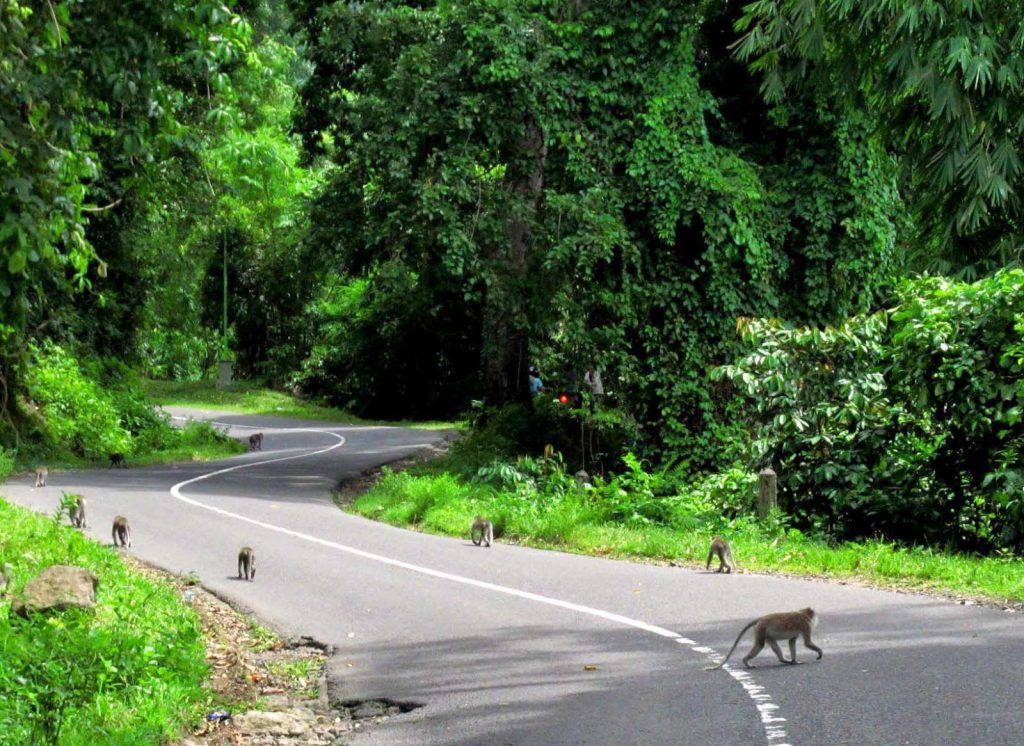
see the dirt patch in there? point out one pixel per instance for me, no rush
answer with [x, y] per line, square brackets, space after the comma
[267, 691]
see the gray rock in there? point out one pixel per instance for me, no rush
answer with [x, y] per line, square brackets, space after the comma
[58, 588]
[287, 723]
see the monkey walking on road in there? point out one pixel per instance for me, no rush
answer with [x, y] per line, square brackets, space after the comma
[720, 547]
[787, 625]
[482, 531]
[246, 564]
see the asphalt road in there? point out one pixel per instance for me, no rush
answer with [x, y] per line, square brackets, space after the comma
[511, 645]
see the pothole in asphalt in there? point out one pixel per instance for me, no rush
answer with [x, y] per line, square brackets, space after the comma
[374, 708]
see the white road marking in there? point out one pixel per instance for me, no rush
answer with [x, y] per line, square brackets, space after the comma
[774, 733]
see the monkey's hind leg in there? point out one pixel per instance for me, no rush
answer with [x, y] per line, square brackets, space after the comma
[778, 651]
[759, 637]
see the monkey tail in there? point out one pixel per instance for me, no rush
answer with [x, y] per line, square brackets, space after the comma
[733, 648]
[711, 554]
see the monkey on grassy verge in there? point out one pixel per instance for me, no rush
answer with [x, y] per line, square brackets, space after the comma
[482, 531]
[256, 442]
[6, 576]
[121, 532]
[118, 460]
[41, 473]
[786, 625]
[720, 547]
[246, 564]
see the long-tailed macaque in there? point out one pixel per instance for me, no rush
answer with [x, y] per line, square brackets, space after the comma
[720, 547]
[482, 531]
[6, 576]
[246, 563]
[117, 460]
[41, 474]
[786, 625]
[77, 513]
[256, 442]
[121, 532]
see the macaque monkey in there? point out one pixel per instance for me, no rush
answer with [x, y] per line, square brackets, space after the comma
[77, 513]
[121, 533]
[482, 531]
[256, 442]
[118, 460]
[786, 625]
[41, 474]
[721, 548]
[6, 576]
[246, 563]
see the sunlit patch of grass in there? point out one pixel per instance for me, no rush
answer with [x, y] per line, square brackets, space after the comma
[300, 675]
[264, 638]
[441, 503]
[250, 398]
[131, 671]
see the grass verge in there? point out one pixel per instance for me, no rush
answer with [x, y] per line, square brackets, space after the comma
[129, 672]
[250, 398]
[196, 441]
[444, 504]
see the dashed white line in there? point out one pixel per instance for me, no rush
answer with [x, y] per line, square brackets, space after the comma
[768, 710]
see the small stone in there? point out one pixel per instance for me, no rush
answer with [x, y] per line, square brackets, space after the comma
[369, 709]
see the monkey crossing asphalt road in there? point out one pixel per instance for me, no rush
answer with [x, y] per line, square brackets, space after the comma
[519, 646]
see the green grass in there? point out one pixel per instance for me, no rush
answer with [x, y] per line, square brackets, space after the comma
[300, 675]
[129, 672]
[443, 504]
[250, 398]
[195, 442]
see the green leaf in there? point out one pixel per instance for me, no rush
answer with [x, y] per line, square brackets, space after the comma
[17, 261]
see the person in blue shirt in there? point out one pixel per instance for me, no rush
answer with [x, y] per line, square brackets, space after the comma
[536, 385]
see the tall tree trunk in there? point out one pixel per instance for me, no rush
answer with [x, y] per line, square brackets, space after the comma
[507, 311]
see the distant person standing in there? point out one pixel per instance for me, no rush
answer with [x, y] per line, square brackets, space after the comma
[592, 379]
[536, 384]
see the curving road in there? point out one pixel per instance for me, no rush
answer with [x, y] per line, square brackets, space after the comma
[511, 645]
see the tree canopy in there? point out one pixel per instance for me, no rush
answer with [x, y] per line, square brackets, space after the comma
[942, 81]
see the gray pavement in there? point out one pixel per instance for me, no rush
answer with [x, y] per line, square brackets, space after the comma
[511, 645]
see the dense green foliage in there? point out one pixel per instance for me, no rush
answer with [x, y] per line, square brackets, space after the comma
[90, 411]
[130, 672]
[399, 207]
[906, 422]
[944, 90]
[587, 185]
[92, 95]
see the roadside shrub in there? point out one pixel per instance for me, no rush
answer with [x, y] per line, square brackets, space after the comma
[79, 414]
[94, 407]
[905, 423]
[592, 440]
[6, 463]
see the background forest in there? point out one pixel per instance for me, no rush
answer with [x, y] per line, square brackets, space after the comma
[781, 241]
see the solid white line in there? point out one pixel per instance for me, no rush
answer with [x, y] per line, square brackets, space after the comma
[766, 709]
